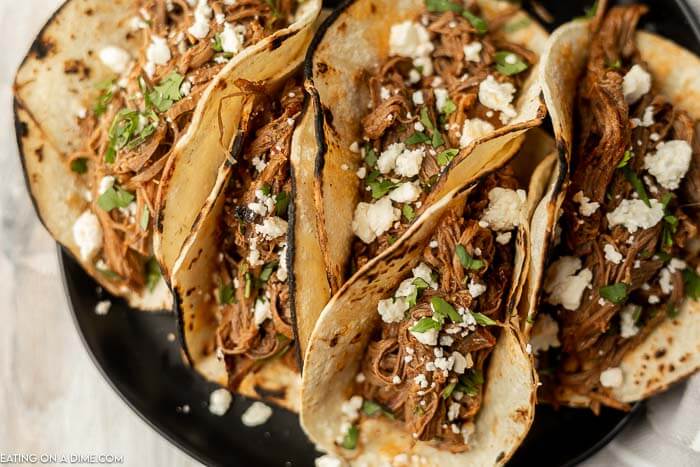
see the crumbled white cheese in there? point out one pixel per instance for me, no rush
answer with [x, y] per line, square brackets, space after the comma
[384, 93]
[87, 233]
[424, 272]
[115, 58]
[503, 238]
[396, 379]
[387, 159]
[407, 192]
[472, 52]
[328, 460]
[409, 162]
[351, 408]
[545, 333]
[272, 227]
[467, 430]
[669, 163]
[429, 337]
[372, 220]
[498, 96]
[261, 312]
[418, 98]
[410, 39]
[453, 411]
[186, 87]
[257, 414]
[282, 272]
[102, 307]
[361, 173]
[628, 326]
[158, 52]
[666, 281]
[232, 38]
[220, 401]
[654, 299]
[421, 381]
[475, 289]
[474, 129]
[505, 209]
[647, 119]
[105, 184]
[564, 286]
[611, 254]
[635, 84]
[460, 363]
[441, 98]
[612, 377]
[254, 253]
[392, 310]
[202, 14]
[586, 208]
[635, 214]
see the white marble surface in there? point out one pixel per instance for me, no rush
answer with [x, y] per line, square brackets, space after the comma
[53, 400]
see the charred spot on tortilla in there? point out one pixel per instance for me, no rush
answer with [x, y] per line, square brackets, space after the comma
[321, 68]
[42, 47]
[39, 153]
[660, 353]
[77, 67]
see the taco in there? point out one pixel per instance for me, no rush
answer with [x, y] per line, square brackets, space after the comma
[618, 319]
[232, 279]
[404, 92]
[109, 93]
[419, 356]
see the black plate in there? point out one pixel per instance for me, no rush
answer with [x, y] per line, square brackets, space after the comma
[133, 352]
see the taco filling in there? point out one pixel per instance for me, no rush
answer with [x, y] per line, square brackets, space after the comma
[131, 130]
[450, 79]
[624, 263]
[426, 361]
[251, 288]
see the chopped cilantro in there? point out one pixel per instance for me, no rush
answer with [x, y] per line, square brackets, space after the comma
[379, 189]
[516, 25]
[129, 129]
[670, 227]
[167, 92]
[483, 320]
[449, 107]
[226, 294]
[145, 217]
[426, 324]
[350, 438]
[477, 23]
[428, 123]
[672, 310]
[248, 284]
[104, 98]
[471, 383]
[447, 392]
[636, 184]
[691, 281]
[216, 44]
[370, 156]
[615, 293]
[267, 271]
[281, 203]
[625, 159]
[371, 408]
[79, 165]
[441, 6]
[666, 198]
[505, 67]
[417, 138]
[442, 309]
[266, 189]
[616, 65]
[114, 198]
[152, 273]
[408, 212]
[446, 156]
[467, 261]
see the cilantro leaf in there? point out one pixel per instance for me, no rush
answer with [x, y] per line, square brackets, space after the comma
[426, 324]
[281, 203]
[267, 271]
[381, 188]
[509, 63]
[447, 392]
[103, 100]
[637, 185]
[79, 165]
[449, 107]
[167, 92]
[350, 438]
[217, 44]
[408, 212]
[446, 156]
[477, 23]
[467, 261]
[670, 227]
[145, 217]
[441, 6]
[114, 198]
[625, 159]
[482, 319]
[370, 156]
[417, 138]
[226, 294]
[615, 293]
[442, 309]
[692, 283]
[152, 273]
